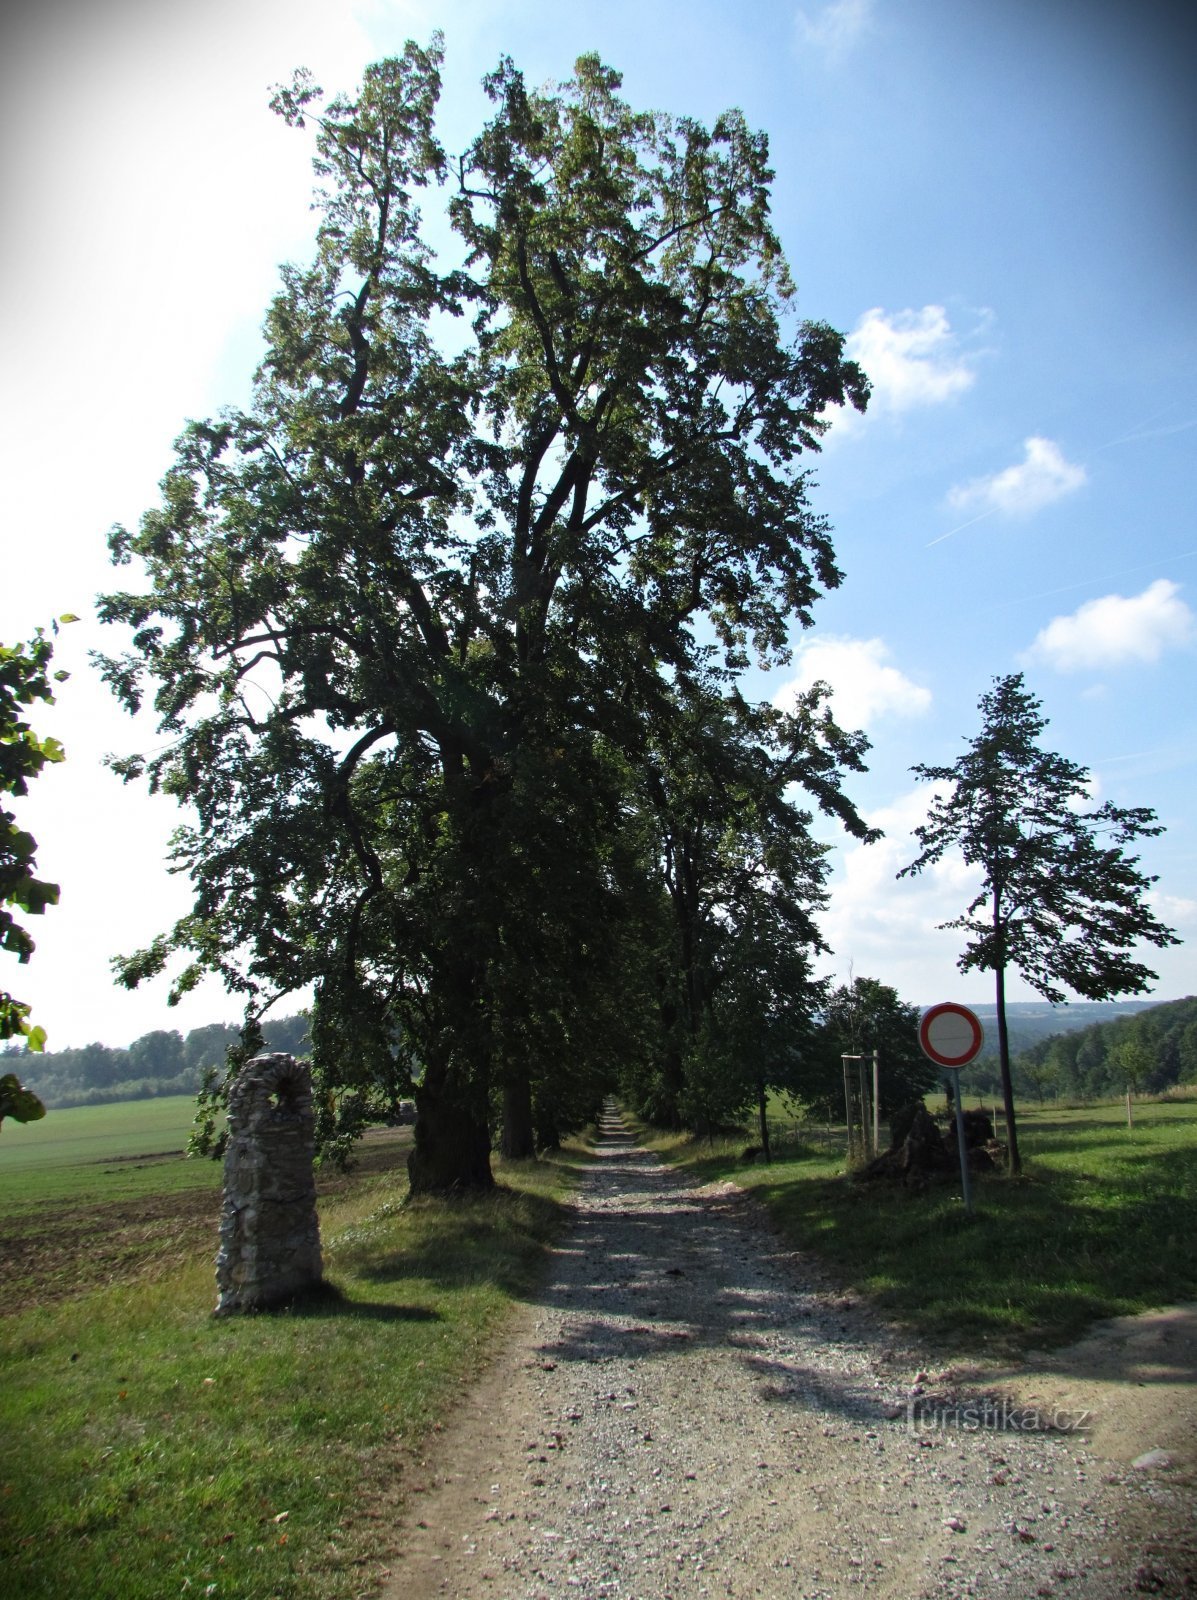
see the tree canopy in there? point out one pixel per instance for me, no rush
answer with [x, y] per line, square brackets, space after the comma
[417, 622]
[1060, 899]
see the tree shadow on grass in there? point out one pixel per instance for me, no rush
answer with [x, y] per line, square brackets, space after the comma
[1044, 1256]
[498, 1238]
[326, 1300]
[1101, 1141]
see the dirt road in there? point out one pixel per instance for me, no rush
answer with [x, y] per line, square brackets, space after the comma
[687, 1411]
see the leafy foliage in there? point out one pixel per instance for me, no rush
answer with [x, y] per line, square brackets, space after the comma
[864, 1016]
[1060, 899]
[740, 878]
[24, 678]
[17, 1102]
[414, 619]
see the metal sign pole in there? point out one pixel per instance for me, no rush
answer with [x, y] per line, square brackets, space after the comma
[968, 1198]
[951, 1035]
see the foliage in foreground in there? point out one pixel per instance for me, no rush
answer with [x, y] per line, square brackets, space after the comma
[24, 678]
[146, 1449]
[1097, 1226]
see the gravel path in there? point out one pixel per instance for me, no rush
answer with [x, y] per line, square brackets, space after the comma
[685, 1412]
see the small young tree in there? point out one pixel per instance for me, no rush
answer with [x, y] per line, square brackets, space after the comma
[866, 1015]
[1060, 900]
[1130, 1063]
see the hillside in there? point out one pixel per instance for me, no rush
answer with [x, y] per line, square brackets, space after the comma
[1031, 1021]
[1149, 1048]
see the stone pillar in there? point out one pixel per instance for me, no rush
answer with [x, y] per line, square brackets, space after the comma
[269, 1232]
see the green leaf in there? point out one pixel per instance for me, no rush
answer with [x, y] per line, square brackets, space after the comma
[19, 1103]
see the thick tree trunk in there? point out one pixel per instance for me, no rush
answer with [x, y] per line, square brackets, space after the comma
[1013, 1160]
[452, 1149]
[516, 1141]
[667, 1112]
[762, 1108]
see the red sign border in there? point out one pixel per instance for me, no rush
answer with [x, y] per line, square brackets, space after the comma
[951, 1006]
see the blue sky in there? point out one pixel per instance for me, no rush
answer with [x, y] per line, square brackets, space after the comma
[996, 202]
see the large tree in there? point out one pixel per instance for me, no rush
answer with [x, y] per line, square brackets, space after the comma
[407, 617]
[1060, 900]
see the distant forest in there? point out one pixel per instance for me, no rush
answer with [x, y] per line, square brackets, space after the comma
[1150, 1051]
[1089, 1051]
[159, 1063]
[1057, 1053]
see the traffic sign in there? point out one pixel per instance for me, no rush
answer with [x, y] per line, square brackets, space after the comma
[951, 1035]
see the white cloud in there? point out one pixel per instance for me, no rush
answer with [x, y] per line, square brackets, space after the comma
[1116, 629]
[863, 685]
[888, 928]
[1177, 912]
[911, 357]
[1042, 477]
[834, 28]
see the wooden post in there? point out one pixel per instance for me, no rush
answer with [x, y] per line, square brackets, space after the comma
[847, 1104]
[876, 1103]
[864, 1106]
[1130, 1121]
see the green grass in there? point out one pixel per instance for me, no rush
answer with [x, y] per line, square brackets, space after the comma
[1099, 1225]
[99, 1153]
[148, 1450]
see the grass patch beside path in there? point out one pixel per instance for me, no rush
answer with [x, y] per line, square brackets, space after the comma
[1100, 1225]
[148, 1450]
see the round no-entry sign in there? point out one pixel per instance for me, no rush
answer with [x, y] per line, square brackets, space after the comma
[951, 1035]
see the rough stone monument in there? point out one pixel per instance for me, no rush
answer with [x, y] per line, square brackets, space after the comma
[269, 1232]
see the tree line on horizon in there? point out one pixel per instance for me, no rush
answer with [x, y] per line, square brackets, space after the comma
[857, 1017]
[1150, 1052]
[161, 1062]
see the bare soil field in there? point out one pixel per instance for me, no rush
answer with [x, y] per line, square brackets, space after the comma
[61, 1248]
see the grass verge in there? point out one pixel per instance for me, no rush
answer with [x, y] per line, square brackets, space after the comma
[1099, 1225]
[147, 1450]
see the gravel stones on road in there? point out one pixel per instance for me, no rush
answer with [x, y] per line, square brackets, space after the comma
[685, 1411]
